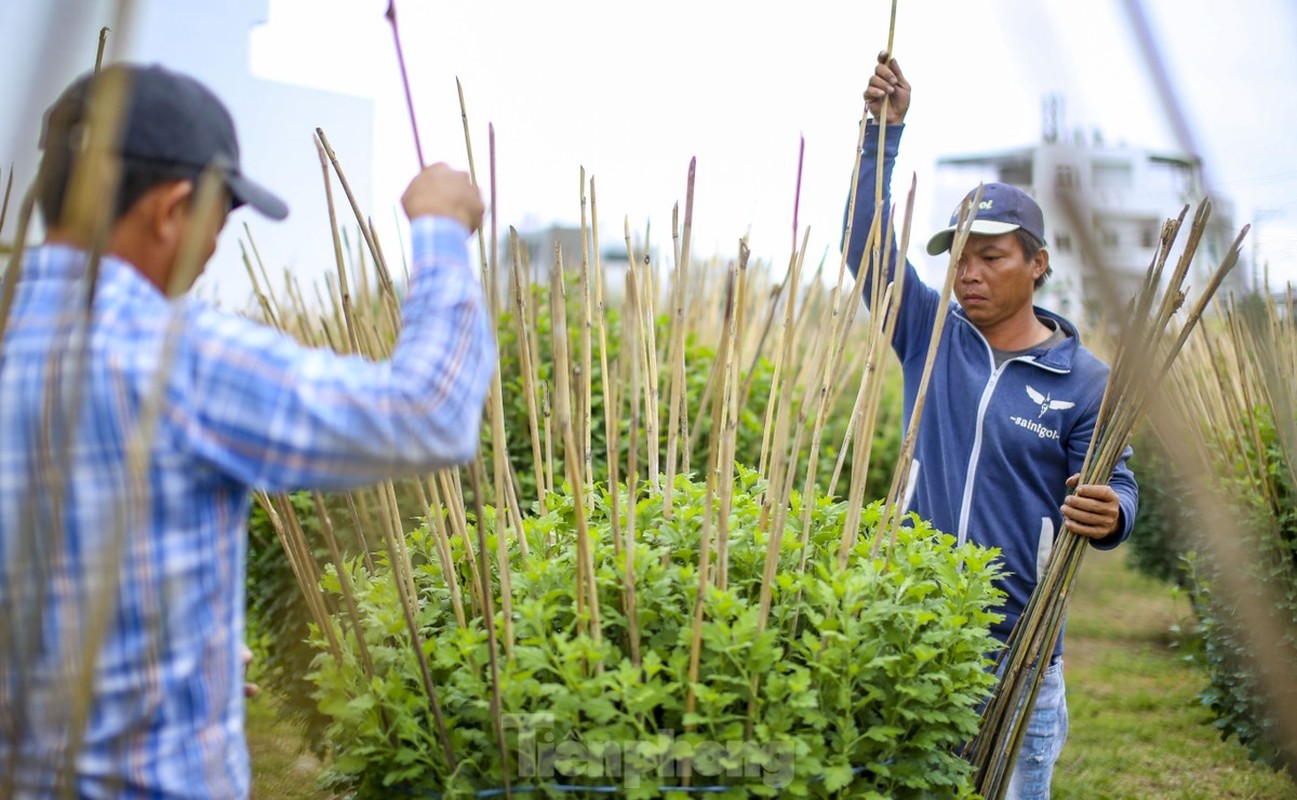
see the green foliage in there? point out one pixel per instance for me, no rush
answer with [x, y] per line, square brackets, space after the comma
[867, 678]
[1161, 538]
[278, 619]
[278, 616]
[1270, 519]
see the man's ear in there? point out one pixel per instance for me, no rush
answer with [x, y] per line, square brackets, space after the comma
[168, 210]
[1040, 264]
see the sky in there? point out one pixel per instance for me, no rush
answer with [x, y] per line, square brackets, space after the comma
[633, 91]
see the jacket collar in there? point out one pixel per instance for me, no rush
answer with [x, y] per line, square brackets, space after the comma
[1058, 358]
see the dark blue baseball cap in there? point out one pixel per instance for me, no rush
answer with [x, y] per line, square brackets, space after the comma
[170, 119]
[1003, 209]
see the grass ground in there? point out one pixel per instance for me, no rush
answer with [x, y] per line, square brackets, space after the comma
[281, 768]
[1136, 730]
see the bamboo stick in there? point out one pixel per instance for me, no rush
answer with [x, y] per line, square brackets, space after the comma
[360, 530]
[527, 370]
[549, 437]
[446, 496]
[9, 280]
[437, 529]
[778, 406]
[405, 80]
[407, 594]
[105, 575]
[268, 297]
[4, 204]
[634, 343]
[728, 430]
[611, 397]
[343, 290]
[678, 400]
[587, 588]
[900, 478]
[586, 390]
[488, 623]
[302, 562]
[653, 388]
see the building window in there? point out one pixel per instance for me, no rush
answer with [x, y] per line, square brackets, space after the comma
[1113, 175]
[1109, 236]
[1065, 176]
[1063, 242]
[1148, 235]
[1016, 174]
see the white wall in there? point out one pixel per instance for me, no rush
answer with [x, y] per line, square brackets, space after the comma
[56, 41]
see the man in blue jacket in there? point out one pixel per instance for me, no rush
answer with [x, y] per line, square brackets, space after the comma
[1012, 406]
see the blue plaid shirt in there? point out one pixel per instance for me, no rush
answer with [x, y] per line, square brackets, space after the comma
[244, 406]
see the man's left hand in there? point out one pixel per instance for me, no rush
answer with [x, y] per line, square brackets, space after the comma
[1092, 511]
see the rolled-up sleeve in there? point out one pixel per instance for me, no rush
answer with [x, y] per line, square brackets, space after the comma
[276, 415]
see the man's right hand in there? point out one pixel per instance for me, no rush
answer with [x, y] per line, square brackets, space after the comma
[887, 81]
[439, 191]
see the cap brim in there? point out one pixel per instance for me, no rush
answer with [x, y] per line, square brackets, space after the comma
[250, 193]
[941, 241]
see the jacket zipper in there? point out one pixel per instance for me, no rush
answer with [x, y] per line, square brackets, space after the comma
[970, 474]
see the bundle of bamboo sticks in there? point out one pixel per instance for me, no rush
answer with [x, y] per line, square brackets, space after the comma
[1147, 347]
[1235, 378]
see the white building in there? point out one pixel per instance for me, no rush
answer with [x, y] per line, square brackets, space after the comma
[1104, 208]
[49, 43]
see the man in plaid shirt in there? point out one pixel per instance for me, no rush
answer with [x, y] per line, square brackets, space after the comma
[121, 601]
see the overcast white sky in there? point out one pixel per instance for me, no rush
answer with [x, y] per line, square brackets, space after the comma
[632, 91]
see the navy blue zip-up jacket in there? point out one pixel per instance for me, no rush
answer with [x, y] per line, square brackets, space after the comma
[995, 446]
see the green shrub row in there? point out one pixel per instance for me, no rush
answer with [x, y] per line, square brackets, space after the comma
[278, 615]
[868, 678]
[1270, 521]
[1164, 545]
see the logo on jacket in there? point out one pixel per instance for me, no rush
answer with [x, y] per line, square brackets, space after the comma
[1047, 403]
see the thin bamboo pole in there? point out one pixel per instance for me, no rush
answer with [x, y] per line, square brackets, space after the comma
[302, 562]
[437, 529]
[343, 291]
[527, 369]
[652, 386]
[894, 510]
[4, 204]
[728, 429]
[779, 404]
[102, 582]
[586, 390]
[399, 559]
[631, 337]
[587, 588]
[678, 399]
[488, 622]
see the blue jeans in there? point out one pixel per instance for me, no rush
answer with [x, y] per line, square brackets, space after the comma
[1046, 733]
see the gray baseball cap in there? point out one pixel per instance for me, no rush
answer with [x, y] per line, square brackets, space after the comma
[1003, 208]
[170, 119]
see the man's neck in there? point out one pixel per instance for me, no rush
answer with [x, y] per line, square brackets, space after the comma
[116, 245]
[1019, 332]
